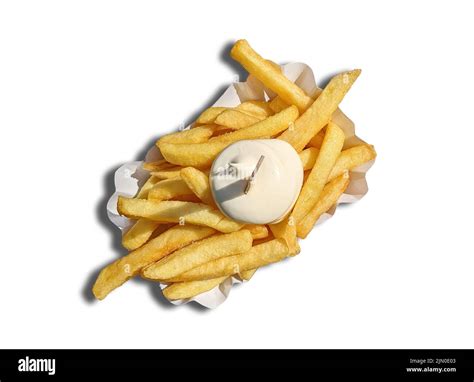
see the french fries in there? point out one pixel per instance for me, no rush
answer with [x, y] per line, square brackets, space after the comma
[330, 150]
[235, 119]
[180, 291]
[209, 115]
[115, 274]
[139, 234]
[198, 182]
[260, 109]
[199, 253]
[266, 128]
[199, 155]
[319, 113]
[269, 75]
[180, 236]
[196, 135]
[329, 196]
[247, 275]
[352, 158]
[277, 104]
[168, 189]
[286, 230]
[308, 157]
[176, 212]
[257, 231]
[260, 255]
[169, 173]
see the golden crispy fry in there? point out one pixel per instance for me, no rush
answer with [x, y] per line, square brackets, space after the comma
[277, 104]
[139, 234]
[258, 231]
[236, 119]
[118, 272]
[168, 173]
[209, 115]
[260, 255]
[168, 189]
[198, 155]
[269, 75]
[151, 181]
[199, 253]
[159, 165]
[330, 150]
[177, 212]
[351, 158]
[197, 135]
[180, 291]
[198, 182]
[259, 109]
[286, 230]
[317, 140]
[308, 157]
[247, 275]
[266, 128]
[329, 196]
[319, 114]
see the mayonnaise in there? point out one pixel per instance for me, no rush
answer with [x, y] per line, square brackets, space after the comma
[273, 189]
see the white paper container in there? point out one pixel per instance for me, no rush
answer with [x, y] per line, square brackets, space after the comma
[130, 176]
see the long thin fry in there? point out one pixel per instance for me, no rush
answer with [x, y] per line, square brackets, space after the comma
[330, 150]
[260, 255]
[269, 75]
[118, 272]
[319, 113]
[177, 212]
[180, 291]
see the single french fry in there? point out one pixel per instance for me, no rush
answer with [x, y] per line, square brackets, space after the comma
[277, 104]
[258, 231]
[169, 173]
[199, 253]
[181, 291]
[259, 109]
[247, 275]
[118, 272]
[168, 189]
[330, 150]
[286, 230]
[308, 157]
[176, 212]
[319, 113]
[197, 135]
[329, 197]
[198, 182]
[269, 75]
[317, 140]
[139, 234]
[236, 119]
[209, 115]
[351, 158]
[258, 256]
[268, 127]
[198, 155]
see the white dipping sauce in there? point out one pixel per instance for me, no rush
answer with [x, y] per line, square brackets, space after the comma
[275, 187]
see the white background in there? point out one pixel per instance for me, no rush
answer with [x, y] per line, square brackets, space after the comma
[86, 85]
